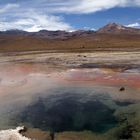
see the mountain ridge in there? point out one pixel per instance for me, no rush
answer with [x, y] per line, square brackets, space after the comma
[77, 41]
[118, 28]
[112, 28]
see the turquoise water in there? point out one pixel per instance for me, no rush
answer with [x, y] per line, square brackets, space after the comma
[74, 100]
[72, 109]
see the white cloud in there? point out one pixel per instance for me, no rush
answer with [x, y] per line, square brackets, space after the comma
[75, 6]
[135, 25]
[34, 15]
[8, 7]
[35, 22]
[137, 2]
[87, 6]
[89, 28]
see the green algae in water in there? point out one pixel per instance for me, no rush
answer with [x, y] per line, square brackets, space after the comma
[77, 111]
[69, 112]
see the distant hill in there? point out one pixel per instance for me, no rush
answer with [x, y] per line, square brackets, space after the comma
[14, 32]
[112, 37]
[49, 34]
[118, 28]
[109, 28]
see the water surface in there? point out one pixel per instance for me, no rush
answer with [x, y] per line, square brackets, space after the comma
[54, 99]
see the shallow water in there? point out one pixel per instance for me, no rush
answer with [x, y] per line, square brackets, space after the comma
[54, 99]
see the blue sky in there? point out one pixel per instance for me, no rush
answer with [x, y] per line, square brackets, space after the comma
[35, 15]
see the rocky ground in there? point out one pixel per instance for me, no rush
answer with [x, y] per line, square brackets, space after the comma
[87, 60]
[55, 61]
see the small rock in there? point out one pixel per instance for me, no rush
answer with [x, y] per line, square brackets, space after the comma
[23, 130]
[52, 135]
[122, 89]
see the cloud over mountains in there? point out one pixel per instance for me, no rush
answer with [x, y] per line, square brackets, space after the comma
[34, 15]
[134, 25]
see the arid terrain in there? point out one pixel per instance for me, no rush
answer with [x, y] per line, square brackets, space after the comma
[83, 85]
[112, 37]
